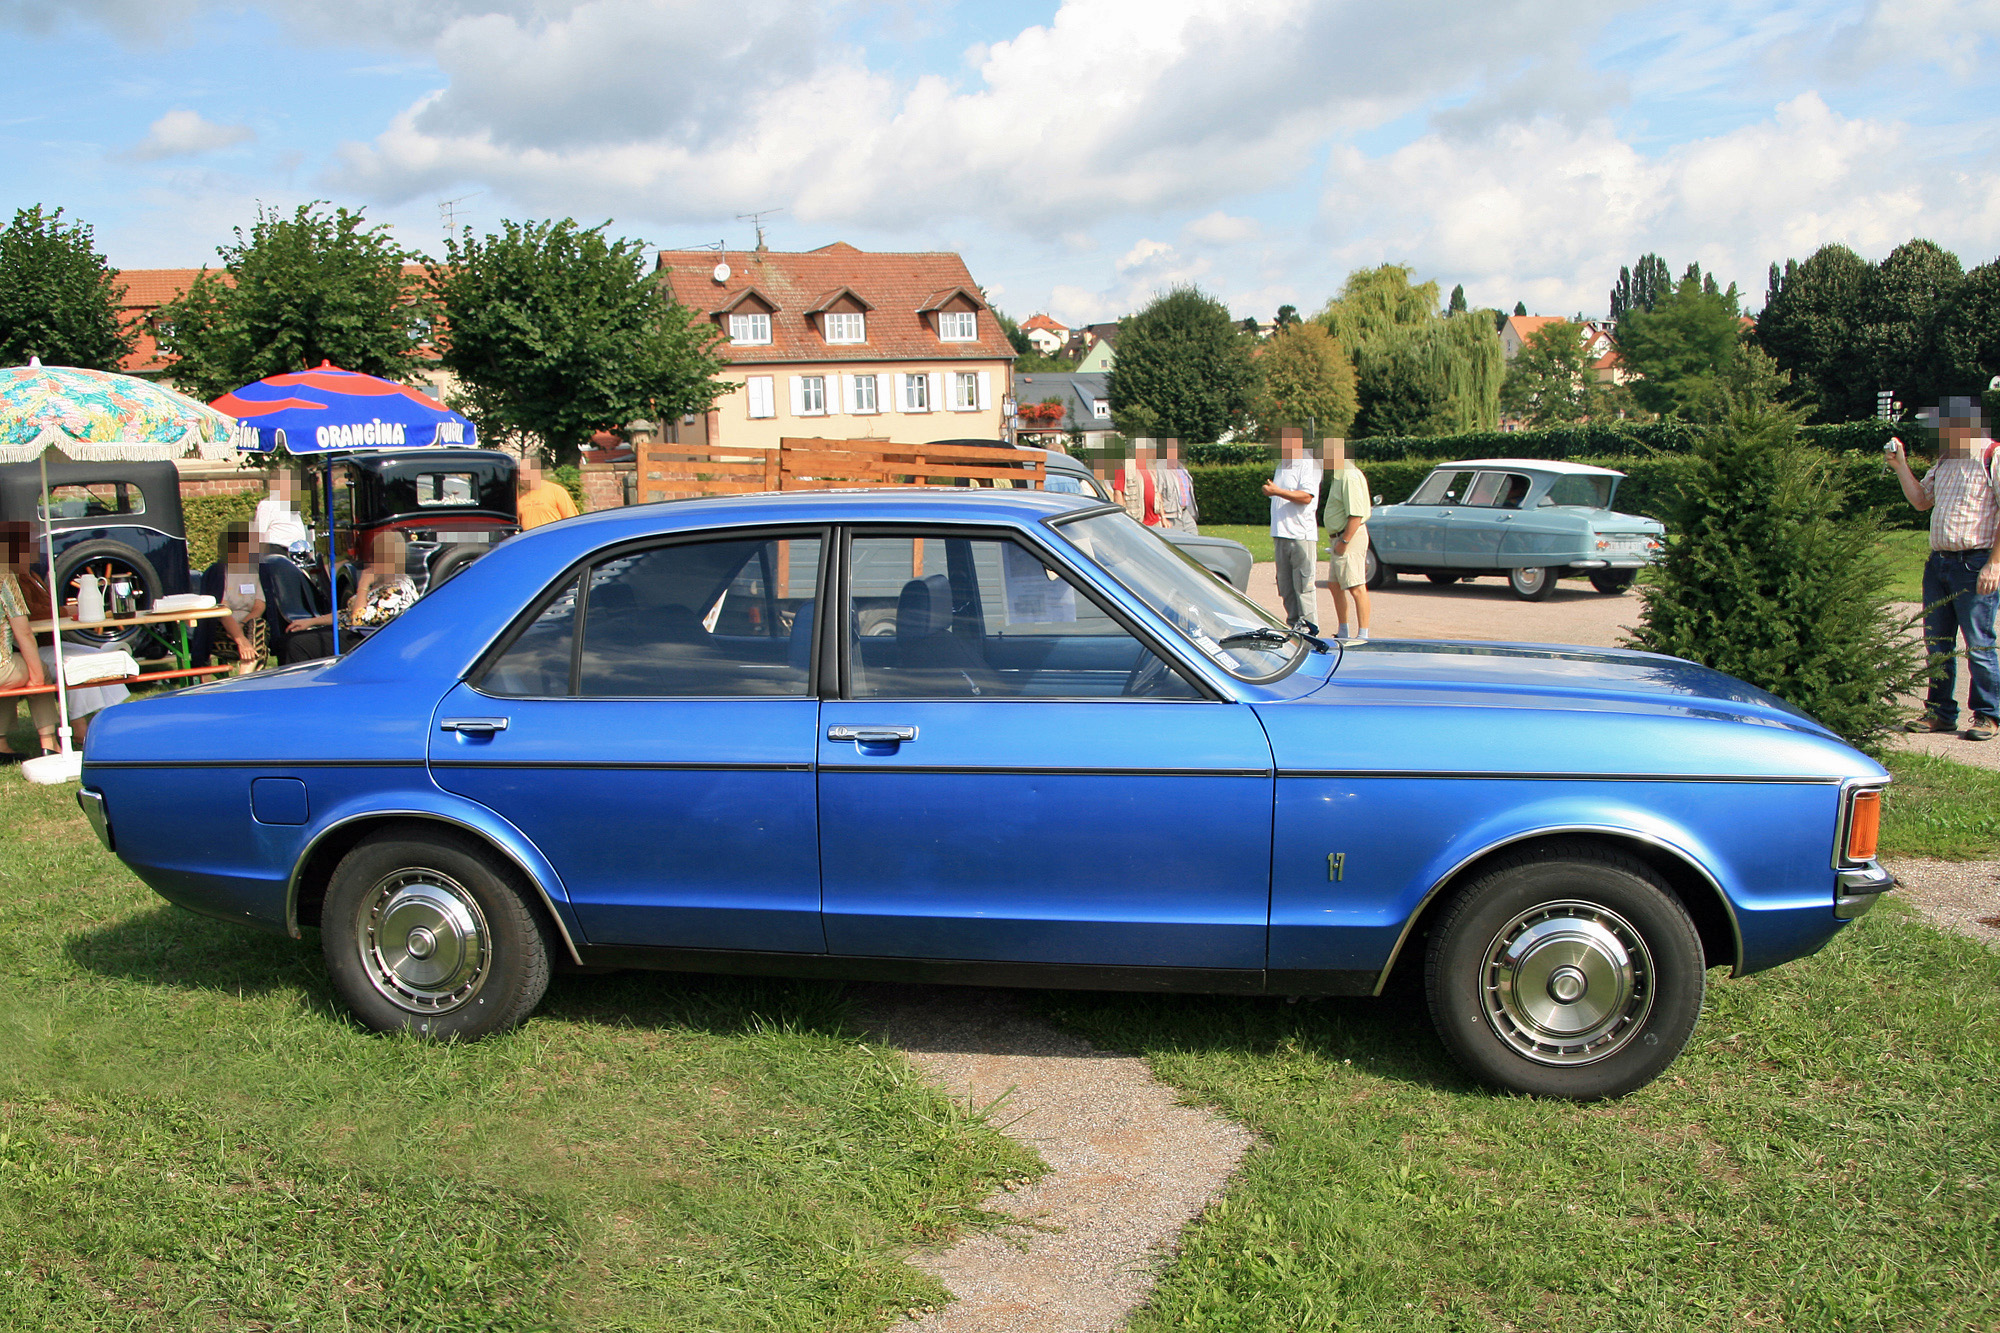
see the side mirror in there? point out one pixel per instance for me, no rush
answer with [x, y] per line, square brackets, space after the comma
[1378, 499]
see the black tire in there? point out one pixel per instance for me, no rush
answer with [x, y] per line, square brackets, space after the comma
[1377, 574]
[1611, 582]
[1532, 583]
[1519, 951]
[453, 560]
[424, 931]
[1442, 579]
[115, 559]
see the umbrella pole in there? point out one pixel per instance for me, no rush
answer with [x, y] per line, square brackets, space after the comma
[55, 609]
[332, 564]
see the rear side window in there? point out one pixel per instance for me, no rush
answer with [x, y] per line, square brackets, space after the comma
[1441, 488]
[93, 500]
[718, 619]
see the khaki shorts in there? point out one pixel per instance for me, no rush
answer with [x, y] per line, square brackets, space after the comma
[1348, 568]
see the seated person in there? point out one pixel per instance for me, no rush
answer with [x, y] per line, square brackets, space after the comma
[1517, 491]
[83, 701]
[383, 590]
[233, 581]
[295, 611]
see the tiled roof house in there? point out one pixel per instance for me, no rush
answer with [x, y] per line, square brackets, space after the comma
[1086, 400]
[840, 343]
[1045, 335]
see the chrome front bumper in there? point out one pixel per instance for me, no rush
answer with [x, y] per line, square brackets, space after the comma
[1856, 889]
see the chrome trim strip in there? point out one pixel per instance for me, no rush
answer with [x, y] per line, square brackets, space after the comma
[292, 884]
[958, 770]
[94, 811]
[1457, 775]
[695, 766]
[276, 766]
[1409, 922]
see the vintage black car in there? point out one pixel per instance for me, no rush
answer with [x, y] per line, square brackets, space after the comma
[118, 520]
[451, 505]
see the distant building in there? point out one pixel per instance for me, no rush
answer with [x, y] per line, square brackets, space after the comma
[1093, 347]
[839, 343]
[1086, 401]
[1045, 335]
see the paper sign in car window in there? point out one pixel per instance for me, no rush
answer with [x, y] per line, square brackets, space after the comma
[1036, 594]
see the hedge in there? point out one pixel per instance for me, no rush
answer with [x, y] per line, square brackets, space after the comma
[206, 516]
[1235, 494]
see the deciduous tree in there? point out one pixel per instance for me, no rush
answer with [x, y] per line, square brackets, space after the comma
[1688, 354]
[1183, 369]
[315, 286]
[556, 331]
[58, 298]
[1807, 326]
[1640, 286]
[1417, 373]
[1306, 379]
[1550, 382]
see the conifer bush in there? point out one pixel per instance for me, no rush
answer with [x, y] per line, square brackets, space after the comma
[1771, 577]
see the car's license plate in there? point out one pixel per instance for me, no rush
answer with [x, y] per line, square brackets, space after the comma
[1626, 545]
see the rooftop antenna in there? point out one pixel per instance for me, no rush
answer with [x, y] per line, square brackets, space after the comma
[447, 211]
[757, 220]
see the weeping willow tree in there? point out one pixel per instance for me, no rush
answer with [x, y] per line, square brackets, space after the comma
[1418, 372]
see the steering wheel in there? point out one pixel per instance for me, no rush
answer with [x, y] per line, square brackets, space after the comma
[1148, 673]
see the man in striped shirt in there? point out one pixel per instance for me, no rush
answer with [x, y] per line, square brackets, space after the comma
[1962, 576]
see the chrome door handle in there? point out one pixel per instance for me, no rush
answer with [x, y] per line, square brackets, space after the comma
[473, 726]
[871, 735]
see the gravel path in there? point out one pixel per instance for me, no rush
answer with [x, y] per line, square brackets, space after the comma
[1957, 895]
[1129, 1165]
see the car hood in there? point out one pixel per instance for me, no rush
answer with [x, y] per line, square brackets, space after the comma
[1540, 675]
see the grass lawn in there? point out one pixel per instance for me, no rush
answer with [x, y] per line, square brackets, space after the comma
[194, 1136]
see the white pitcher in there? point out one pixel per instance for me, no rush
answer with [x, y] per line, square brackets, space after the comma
[89, 599]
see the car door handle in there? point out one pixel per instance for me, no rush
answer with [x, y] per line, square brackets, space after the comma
[473, 726]
[872, 735]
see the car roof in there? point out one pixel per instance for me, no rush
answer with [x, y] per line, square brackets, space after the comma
[898, 504]
[1551, 465]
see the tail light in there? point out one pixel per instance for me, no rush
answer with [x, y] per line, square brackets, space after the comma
[1864, 824]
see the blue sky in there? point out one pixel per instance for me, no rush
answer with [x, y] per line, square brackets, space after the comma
[1081, 155]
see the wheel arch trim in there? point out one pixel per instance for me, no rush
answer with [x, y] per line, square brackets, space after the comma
[523, 857]
[1611, 831]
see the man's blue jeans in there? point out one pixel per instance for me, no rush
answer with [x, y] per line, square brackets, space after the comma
[1955, 609]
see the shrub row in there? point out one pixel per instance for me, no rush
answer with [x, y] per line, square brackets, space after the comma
[1234, 494]
[206, 516]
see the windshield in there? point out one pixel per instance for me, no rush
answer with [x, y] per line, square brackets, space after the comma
[1181, 591]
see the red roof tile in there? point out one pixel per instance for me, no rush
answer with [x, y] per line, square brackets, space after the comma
[1044, 322]
[896, 288]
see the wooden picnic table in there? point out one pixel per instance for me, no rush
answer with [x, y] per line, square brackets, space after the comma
[183, 657]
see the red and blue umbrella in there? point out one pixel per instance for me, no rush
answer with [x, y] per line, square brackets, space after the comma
[328, 409]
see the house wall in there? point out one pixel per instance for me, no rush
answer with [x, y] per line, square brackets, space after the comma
[731, 423]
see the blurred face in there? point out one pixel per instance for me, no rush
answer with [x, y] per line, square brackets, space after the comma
[1334, 451]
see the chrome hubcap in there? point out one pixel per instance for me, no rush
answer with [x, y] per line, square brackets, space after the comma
[423, 941]
[1567, 983]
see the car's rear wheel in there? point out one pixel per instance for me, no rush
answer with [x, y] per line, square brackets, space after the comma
[424, 932]
[1611, 582]
[110, 562]
[1565, 971]
[452, 560]
[1532, 584]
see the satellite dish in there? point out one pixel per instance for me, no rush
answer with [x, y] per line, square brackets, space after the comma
[720, 273]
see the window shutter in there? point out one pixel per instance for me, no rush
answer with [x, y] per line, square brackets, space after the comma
[985, 390]
[798, 384]
[937, 403]
[833, 398]
[760, 396]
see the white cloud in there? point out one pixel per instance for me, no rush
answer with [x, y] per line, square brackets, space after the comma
[1958, 36]
[1115, 107]
[1219, 228]
[186, 134]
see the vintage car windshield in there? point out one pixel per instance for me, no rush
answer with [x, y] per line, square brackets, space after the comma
[1176, 586]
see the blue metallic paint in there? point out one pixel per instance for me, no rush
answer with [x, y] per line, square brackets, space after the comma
[1011, 829]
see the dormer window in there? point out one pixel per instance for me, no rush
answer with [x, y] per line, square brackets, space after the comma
[958, 326]
[846, 328]
[750, 328]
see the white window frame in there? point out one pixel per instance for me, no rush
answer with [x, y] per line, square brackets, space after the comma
[839, 329]
[915, 395]
[950, 321]
[1101, 408]
[864, 394]
[965, 391]
[812, 395]
[760, 391]
[743, 329]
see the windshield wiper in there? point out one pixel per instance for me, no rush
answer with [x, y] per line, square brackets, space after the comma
[1264, 634]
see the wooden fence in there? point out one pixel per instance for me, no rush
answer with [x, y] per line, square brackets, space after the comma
[671, 471]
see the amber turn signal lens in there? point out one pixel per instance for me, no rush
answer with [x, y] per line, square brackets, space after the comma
[1864, 823]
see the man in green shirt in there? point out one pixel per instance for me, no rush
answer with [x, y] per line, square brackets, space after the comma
[1345, 517]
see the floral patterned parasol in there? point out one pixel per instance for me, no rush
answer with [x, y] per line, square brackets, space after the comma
[96, 414]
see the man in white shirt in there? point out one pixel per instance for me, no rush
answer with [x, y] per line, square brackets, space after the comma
[277, 523]
[1294, 492]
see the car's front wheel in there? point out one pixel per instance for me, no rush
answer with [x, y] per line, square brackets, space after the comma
[1532, 584]
[424, 932]
[1565, 971]
[1377, 574]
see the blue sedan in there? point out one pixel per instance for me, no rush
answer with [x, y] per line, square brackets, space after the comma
[656, 737]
